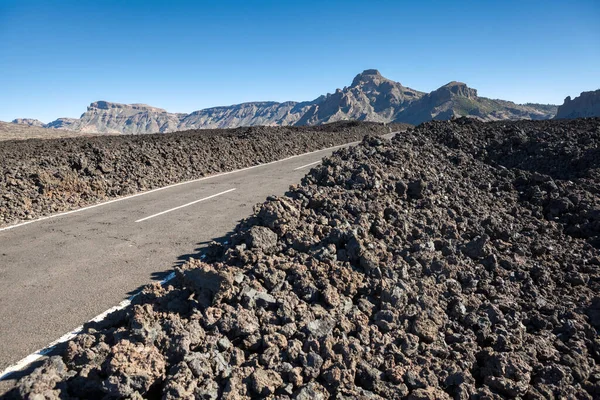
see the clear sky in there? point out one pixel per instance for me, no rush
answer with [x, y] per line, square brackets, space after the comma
[56, 57]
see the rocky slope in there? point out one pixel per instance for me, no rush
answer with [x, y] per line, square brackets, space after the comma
[40, 177]
[456, 99]
[459, 261]
[29, 121]
[370, 97]
[587, 104]
[246, 114]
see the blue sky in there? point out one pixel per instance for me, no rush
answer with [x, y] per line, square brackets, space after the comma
[56, 57]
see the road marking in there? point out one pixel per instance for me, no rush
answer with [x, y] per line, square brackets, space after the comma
[307, 165]
[170, 186]
[48, 349]
[184, 205]
[66, 337]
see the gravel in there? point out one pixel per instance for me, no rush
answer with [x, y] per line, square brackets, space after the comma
[458, 261]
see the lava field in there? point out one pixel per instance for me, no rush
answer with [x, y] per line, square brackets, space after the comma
[460, 260]
[40, 177]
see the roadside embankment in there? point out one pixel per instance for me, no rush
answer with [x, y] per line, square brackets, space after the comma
[42, 177]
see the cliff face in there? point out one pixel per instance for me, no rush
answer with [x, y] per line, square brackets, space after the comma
[587, 104]
[370, 97]
[107, 117]
[246, 114]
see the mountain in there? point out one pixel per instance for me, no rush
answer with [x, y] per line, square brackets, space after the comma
[246, 114]
[29, 122]
[107, 117]
[370, 97]
[456, 99]
[587, 104]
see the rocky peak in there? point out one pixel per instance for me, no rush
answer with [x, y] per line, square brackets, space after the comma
[368, 75]
[459, 89]
[105, 105]
[367, 72]
[29, 122]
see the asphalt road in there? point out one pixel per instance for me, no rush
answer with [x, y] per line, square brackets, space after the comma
[59, 273]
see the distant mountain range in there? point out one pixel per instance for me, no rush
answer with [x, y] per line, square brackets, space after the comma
[370, 97]
[13, 131]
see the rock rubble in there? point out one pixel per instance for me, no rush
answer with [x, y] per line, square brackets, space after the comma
[458, 261]
[41, 177]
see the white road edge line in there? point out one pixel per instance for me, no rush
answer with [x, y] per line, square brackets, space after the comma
[65, 338]
[170, 186]
[42, 352]
[307, 165]
[185, 205]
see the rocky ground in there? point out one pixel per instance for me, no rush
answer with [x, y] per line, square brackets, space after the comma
[461, 260]
[41, 177]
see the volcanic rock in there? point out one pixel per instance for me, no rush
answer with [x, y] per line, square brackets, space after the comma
[479, 291]
[41, 177]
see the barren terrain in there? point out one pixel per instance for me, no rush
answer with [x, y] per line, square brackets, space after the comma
[10, 131]
[41, 177]
[460, 260]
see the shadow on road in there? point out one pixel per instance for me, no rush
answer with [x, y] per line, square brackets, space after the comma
[7, 383]
[199, 251]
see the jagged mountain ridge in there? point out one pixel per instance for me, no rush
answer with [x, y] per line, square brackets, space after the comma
[587, 104]
[370, 97]
[456, 99]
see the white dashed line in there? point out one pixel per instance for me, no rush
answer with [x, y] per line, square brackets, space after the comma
[6, 228]
[185, 205]
[48, 349]
[307, 165]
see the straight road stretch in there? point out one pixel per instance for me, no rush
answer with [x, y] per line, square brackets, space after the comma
[60, 272]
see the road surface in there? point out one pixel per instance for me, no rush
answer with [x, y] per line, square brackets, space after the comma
[61, 272]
